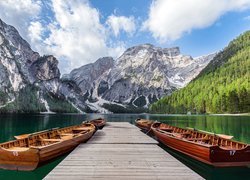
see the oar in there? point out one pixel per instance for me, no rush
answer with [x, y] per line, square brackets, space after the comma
[219, 135]
[28, 135]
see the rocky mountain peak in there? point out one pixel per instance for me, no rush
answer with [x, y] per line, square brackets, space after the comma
[23, 70]
[45, 68]
[85, 76]
[13, 35]
[140, 76]
[173, 51]
[13, 46]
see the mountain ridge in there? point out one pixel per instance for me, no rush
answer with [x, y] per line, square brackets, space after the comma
[222, 87]
[140, 76]
[25, 76]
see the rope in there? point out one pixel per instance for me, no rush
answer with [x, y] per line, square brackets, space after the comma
[148, 130]
[150, 127]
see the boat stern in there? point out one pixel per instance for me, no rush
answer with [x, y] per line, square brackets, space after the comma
[221, 157]
[23, 159]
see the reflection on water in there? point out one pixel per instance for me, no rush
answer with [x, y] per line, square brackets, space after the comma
[238, 126]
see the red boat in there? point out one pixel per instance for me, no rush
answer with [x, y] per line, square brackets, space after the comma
[205, 147]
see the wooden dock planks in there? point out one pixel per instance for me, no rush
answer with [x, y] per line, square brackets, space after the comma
[121, 151]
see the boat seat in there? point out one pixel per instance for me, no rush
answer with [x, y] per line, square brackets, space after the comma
[51, 140]
[166, 129]
[178, 135]
[66, 137]
[198, 139]
[66, 134]
[185, 133]
[18, 149]
[37, 146]
[82, 129]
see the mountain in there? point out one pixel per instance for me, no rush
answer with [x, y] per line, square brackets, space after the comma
[222, 87]
[141, 76]
[27, 80]
[78, 85]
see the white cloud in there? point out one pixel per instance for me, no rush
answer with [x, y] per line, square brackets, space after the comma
[35, 31]
[74, 35]
[168, 20]
[20, 13]
[119, 23]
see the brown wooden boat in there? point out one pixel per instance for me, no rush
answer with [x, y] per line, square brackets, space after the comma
[208, 148]
[144, 124]
[99, 123]
[29, 150]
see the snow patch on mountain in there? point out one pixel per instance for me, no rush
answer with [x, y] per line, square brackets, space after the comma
[13, 73]
[142, 75]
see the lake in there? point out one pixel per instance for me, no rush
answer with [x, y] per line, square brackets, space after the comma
[238, 126]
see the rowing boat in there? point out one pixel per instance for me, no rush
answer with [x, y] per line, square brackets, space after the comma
[144, 124]
[30, 150]
[99, 123]
[205, 147]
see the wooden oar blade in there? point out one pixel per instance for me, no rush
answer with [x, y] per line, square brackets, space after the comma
[225, 136]
[220, 135]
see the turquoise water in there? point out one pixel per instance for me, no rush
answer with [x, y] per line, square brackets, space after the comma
[238, 126]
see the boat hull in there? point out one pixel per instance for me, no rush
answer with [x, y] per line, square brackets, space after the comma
[143, 126]
[19, 160]
[212, 155]
[99, 123]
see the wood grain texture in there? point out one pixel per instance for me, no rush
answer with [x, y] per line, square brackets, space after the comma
[121, 151]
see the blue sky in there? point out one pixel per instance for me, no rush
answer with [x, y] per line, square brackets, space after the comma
[196, 43]
[78, 32]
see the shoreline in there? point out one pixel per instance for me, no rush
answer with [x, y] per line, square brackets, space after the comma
[228, 114]
[159, 114]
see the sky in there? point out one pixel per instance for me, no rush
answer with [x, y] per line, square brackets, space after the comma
[78, 32]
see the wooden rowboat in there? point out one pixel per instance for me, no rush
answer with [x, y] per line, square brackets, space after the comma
[205, 147]
[144, 124]
[29, 150]
[99, 123]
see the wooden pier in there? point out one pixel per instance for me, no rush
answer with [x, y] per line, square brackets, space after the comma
[121, 151]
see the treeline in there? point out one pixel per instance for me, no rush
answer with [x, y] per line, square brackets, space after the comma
[222, 87]
[27, 101]
[120, 109]
[59, 104]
